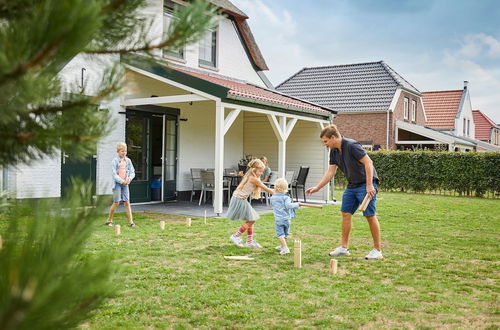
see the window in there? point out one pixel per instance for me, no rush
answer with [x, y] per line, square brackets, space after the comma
[406, 108]
[413, 110]
[468, 127]
[465, 122]
[208, 49]
[168, 12]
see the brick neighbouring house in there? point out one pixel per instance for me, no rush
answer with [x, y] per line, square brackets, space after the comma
[369, 97]
[486, 129]
[450, 112]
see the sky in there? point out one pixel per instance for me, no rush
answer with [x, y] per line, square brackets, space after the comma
[434, 44]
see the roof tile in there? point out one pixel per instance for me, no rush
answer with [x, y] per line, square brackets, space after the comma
[441, 108]
[240, 88]
[347, 88]
[483, 125]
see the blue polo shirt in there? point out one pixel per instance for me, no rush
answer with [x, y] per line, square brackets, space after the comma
[348, 162]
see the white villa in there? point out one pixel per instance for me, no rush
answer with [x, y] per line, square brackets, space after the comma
[204, 106]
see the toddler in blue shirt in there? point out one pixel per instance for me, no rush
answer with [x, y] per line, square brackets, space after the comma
[284, 211]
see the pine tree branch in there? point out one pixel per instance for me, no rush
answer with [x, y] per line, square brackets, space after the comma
[145, 48]
[70, 105]
[34, 63]
[112, 6]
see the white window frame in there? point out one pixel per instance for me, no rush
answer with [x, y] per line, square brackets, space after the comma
[405, 108]
[413, 111]
[168, 12]
[214, 33]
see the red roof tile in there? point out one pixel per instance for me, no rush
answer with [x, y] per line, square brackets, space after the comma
[257, 93]
[441, 108]
[483, 125]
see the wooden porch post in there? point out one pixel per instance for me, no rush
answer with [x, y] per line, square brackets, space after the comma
[219, 157]
[326, 161]
[282, 130]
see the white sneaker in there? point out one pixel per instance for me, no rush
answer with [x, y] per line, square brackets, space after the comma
[278, 248]
[285, 250]
[374, 254]
[339, 252]
[236, 240]
[253, 245]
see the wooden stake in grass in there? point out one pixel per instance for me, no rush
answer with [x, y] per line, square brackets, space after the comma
[188, 222]
[1, 242]
[240, 258]
[333, 266]
[297, 253]
[365, 203]
[118, 230]
[205, 216]
[162, 224]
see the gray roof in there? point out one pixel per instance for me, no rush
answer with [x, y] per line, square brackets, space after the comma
[348, 88]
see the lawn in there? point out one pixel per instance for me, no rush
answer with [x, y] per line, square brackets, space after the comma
[441, 269]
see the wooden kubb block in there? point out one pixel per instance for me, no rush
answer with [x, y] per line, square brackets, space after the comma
[297, 253]
[333, 266]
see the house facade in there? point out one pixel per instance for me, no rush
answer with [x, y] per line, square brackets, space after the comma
[449, 115]
[203, 106]
[370, 99]
[485, 129]
[450, 111]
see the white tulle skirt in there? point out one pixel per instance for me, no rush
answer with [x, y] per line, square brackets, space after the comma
[240, 209]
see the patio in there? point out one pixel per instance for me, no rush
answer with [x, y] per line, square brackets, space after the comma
[192, 209]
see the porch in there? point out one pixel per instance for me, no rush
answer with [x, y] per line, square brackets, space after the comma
[216, 120]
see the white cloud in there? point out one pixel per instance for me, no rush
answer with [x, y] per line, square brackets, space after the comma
[484, 83]
[475, 45]
[276, 33]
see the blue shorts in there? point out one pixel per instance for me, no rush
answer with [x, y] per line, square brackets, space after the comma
[121, 193]
[353, 197]
[282, 229]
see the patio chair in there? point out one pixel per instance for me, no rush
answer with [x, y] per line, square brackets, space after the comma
[300, 182]
[289, 177]
[196, 181]
[208, 184]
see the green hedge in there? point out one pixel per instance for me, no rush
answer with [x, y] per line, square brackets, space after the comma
[421, 171]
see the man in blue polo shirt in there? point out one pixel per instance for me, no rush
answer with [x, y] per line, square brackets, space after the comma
[351, 158]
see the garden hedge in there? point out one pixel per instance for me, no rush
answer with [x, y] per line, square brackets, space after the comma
[424, 171]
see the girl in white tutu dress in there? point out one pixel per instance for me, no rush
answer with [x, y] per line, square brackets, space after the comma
[240, 208]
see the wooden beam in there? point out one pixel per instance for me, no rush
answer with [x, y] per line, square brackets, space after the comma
[276, 127]
[219, 157]
[164, 99]
[229, 120]
[289, 127]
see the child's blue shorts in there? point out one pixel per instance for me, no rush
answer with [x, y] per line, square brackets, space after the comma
[121, 193]
[282, 229]
[353, 197]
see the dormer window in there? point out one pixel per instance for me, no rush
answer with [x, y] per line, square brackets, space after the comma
[168, 16]
[208, 49]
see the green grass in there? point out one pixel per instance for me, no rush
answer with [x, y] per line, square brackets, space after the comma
[441, 270]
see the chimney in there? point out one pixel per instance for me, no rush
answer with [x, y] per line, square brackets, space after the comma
[466, 83]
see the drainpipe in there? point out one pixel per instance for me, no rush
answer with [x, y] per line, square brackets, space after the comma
[387, 133]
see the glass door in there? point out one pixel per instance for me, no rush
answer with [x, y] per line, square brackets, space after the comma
[137, 139]
[170, 156]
